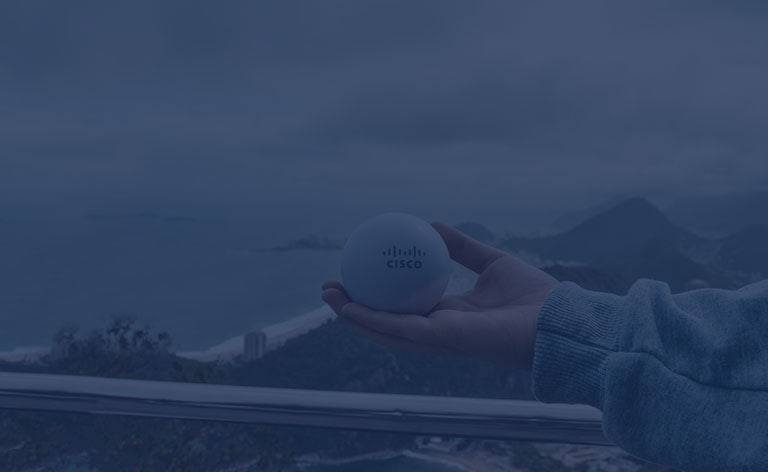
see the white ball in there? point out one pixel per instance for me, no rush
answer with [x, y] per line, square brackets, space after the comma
[396, 262]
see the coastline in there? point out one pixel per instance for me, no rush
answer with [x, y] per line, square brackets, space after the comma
[226, 351]
[25, 354]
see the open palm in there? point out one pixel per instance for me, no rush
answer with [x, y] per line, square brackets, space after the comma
[495, 321]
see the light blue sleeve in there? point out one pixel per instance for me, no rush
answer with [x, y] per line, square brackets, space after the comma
[682, 380]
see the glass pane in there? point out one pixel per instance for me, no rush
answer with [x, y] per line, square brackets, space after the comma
[178, 179]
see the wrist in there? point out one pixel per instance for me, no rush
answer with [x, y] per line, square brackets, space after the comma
[577, 330]
[532, 323]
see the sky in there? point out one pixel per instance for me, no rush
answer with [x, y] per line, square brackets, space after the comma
[338, 109]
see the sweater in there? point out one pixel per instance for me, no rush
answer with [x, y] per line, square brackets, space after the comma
[681, 379]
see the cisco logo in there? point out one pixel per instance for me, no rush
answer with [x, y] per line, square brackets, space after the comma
[403, 259]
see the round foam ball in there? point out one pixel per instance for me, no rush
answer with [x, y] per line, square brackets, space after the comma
[396, 262]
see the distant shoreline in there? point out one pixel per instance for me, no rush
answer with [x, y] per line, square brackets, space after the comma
[25, 354]
[312, 243]
[224, 351]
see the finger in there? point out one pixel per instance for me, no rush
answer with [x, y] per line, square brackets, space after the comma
[332, 284]
[452, 302]
[411, 327]
[466, 250]
[396, 343]
[387, 341]
[336, 299]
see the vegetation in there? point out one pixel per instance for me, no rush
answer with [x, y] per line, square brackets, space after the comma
[41, 441]
[48, 441]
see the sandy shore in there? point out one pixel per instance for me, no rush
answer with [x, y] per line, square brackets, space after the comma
[25, 355]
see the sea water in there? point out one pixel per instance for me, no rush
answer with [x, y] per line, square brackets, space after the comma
[201, 280]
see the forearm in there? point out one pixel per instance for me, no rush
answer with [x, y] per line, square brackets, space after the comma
[681, 380]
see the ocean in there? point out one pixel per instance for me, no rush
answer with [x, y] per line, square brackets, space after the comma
[201, 280]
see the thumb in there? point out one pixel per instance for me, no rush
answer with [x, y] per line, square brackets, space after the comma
[467, 251]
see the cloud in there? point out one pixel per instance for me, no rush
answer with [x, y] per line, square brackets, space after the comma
[503, 100]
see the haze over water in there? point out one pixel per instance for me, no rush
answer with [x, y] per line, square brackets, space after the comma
[201, 279]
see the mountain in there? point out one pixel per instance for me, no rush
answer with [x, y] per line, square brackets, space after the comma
[662, 260]
[591, 278]
[569, 220]
[720, 214]
[631, 223]
[746, 250]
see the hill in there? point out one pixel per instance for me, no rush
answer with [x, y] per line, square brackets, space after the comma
[721, 214]
[631, 223]
[745, 250]
[634, 239]
[569, 220]
[661, 260]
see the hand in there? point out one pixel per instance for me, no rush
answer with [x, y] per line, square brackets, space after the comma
[495, 321]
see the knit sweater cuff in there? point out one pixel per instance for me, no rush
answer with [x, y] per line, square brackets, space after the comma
[577, 331]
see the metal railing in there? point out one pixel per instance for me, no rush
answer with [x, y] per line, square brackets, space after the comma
[415, 414]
